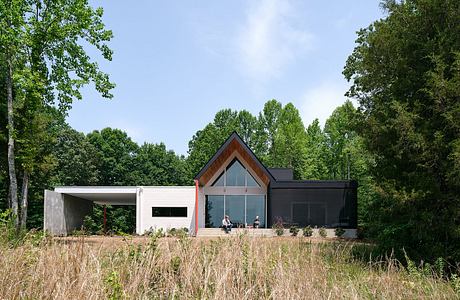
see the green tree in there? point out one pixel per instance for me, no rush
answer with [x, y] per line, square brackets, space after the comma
[316, 153]
[155, 165]
[340, 131]
[115, 153]
[43, 58]
[207, 141]
[76, 159]
[289, 145]
[405, 71]
[268, 123]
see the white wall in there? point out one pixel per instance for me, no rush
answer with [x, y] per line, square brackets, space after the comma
[165, 196]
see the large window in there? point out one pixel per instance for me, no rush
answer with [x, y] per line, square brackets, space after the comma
[236, 175]
[214, 211]
[169, 211]
[242, 209]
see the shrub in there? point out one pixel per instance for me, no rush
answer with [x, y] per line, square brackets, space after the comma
[171, 232]
[322, 232]
[78, 232]
[294, 230]
[339, 232]
[307, 231]
[278, 228]
[180, 232]
[9, 235]
[157, 233]
[91, 227]
[113, 286]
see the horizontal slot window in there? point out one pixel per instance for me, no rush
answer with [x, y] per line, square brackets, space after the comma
[169, 211]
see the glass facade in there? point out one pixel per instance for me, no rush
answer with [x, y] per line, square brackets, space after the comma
[236, 175]
[242, 209]
[214, 211]
[255, 207]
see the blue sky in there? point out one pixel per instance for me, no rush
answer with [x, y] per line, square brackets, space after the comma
[176, 63]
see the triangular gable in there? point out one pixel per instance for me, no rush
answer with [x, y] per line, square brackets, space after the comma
[232, 144]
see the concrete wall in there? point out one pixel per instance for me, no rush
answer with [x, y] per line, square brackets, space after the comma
[64, 213]
[75, 210]
[173, 196]
[54, 213]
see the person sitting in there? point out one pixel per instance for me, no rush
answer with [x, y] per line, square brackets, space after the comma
[226, 224]
[256, 222]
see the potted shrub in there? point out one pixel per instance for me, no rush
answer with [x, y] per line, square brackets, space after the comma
[278, 228]
[307, 231]
[339, 232]
[294, 230]
[322, 232]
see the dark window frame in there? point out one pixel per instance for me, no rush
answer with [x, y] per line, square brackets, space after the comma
[169, 211]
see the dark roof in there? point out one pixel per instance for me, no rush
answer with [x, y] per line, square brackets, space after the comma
[282, 173]
[235, 136]
[314, 184]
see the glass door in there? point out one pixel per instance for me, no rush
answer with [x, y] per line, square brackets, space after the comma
[235, 209]
[242, 209]
[214, 211]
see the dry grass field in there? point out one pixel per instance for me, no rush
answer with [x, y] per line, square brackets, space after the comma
[193, 268]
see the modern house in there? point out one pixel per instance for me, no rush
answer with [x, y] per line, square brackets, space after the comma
[233, 182]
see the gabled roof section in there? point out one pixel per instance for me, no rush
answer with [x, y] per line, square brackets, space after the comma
[232, 144]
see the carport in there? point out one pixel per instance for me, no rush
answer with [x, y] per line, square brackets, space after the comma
[66, 207]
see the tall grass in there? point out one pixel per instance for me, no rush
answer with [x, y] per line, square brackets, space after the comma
[228, 268]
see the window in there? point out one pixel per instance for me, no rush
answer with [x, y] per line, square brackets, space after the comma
[236, 175]
[169, 211]
[242, 209]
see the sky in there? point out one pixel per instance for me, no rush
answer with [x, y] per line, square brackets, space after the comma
[177, 63]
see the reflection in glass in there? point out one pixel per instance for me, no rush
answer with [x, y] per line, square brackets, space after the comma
[242, 209]
[219, 181]
[214, 211]
[234, 208]
[255, 206]
[235, 174]
[250, 180]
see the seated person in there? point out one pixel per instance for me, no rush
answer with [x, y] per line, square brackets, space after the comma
[256, 222]
[226, 224]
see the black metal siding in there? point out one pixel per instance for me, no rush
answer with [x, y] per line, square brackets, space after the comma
[315, 203]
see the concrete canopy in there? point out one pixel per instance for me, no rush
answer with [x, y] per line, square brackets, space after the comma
[108, 195]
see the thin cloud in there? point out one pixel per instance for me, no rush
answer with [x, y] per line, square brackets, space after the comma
[320, 101]
[269, 41]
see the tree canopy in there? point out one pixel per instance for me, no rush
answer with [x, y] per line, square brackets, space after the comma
[405, 73]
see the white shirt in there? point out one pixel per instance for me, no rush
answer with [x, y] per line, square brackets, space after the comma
[226, 222]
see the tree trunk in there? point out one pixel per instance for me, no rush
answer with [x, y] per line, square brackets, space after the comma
[9, 198]
[24, 200]
[11, 167]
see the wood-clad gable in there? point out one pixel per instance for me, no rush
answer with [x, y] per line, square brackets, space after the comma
[233, 144]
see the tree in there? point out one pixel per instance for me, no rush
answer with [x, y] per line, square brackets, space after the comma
[268, 120]
[289, 145]
[316, 153]
[115, 153]
[340, 131]
[76, 159]
[405, 71]
[43, 58]
[206, 142]
[154, 165]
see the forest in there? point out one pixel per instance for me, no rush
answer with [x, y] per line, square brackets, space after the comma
[401, 142]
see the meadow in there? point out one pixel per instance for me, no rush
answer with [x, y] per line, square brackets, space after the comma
[238, 267]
